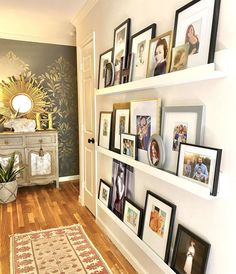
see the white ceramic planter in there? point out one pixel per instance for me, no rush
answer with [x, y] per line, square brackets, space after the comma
[8, 192]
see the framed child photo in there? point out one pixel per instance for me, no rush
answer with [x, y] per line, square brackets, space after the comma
[104, 59]
[156, 151]
[179, 58]
[104, 135]
[200, 165]
[190, 253]
[104, 193]
[128, 145]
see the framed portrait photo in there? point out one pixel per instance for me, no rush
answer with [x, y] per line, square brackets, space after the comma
[159, 54]
[196, 25]
[132, 216]
[179, 58]
[144, 122]
[158, 224]
[104, 135]
[200, 165]
[180, 124]
[156, 151]
[104, 193]
[128, 145]
[190, 253]
[120, 46]
[140, 48]
[104, 59]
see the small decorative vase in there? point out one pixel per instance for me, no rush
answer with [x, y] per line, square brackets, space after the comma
[8, 192]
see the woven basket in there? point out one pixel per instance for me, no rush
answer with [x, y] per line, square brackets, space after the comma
[8, 192]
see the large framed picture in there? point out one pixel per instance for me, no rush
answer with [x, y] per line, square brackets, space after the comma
[104, 135]
[132, 216]
[104, 59]
[159, 54]
[180, 124]
[196, 25]
[156, 151]
[200, 165]
[104, 193]
[190, 253]
[140, 48]
[159, 215]
[128, 145]
[120, 46]
[144, 122]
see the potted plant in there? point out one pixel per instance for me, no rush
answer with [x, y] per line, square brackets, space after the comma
[8, 182]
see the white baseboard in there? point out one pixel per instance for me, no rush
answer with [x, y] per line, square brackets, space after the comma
[68, 178]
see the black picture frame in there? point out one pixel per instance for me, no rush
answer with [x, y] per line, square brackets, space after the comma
[126, 151]
[104, 193]
[188, 246]
[106, 141]
[102, 65]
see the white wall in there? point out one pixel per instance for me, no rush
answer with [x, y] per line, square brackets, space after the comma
[212, 220]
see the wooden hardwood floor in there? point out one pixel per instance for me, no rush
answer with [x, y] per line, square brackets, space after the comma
[42, 207]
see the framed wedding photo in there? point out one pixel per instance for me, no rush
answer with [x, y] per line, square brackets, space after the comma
[104, 135]
[196, 25]
[156, 151]
[132, 216]
[159, 215]
[104, 59]
[180, 124]
[104, 193]
[140, 48]
[159, 55]
[190, 253]
[200, 165]
[128, 145]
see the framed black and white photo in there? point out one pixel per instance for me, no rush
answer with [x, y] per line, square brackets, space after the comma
[104, 59]
[159, 215]
[190, 253]
[156, 151]
[140, 48]
[196, 24]
[200, 165]
[104, 136]
[104, 193]
[180, 124]
[159, 54]
[120, 46]
[132, 216]
[128, 145]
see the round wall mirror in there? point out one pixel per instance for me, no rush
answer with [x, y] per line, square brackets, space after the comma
[21, 103]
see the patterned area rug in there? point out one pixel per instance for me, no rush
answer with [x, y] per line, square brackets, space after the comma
[64, 250]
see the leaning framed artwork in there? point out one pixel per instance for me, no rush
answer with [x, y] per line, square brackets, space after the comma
[104, 134]
[196, 25]
[104, 59]
[200, 165]
[104, 193]
[128, 145]
[156, 151]
[190, 253]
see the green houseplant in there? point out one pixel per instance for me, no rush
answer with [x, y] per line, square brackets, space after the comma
[8, 183]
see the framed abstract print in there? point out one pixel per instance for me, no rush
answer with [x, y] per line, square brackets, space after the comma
[128, 145]
[104, 59]
[104, 135]
[104, 193]
[156, 151]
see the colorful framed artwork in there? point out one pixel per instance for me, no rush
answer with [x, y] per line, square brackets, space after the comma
[104, 59]
[104, 135]
[104, 193]
[156, 151]
[128, 145]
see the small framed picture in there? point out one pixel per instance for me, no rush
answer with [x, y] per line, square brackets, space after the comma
[140, 48]
[159, 215]
[104, 59]
[179, 58]
[120, 46]
[120, 124]
[196, 24]
[132, 216]
[180, 124]
[190, 253]
[200, 165]
[104, 193]
[104, 136]
[159, 54]
[129, 145]
[156, 151]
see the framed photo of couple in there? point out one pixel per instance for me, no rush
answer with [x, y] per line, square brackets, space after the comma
[128, 145]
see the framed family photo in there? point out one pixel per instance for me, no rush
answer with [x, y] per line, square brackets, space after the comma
[180, 124]
[104, 193]
[196, 25]
[104, 135]
[200, 165]
[129, 145]
[159, 215]
[156, 151]
[190, 253]
[104, 59]
[140, 48]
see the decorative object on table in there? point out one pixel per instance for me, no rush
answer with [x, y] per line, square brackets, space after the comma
[179, 58]
[104, 58]
[126, 70]
[21, 125]
[8, 179]
[180, 124]
[109, 74]
[156, 151]
[200, 165]
[196, 24]
[145, 121]
[190, 253]
[159, 54]
[140, 46]
[104, 137]
[128, 145]
[44, 121]
[69, 252]
[120, 124]
[159, 215]
[120, 46]
[132, 216]
[104, 193]
[122, 186]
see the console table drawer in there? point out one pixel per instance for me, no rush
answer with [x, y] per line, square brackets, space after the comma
[11, 141]
[45, 139]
